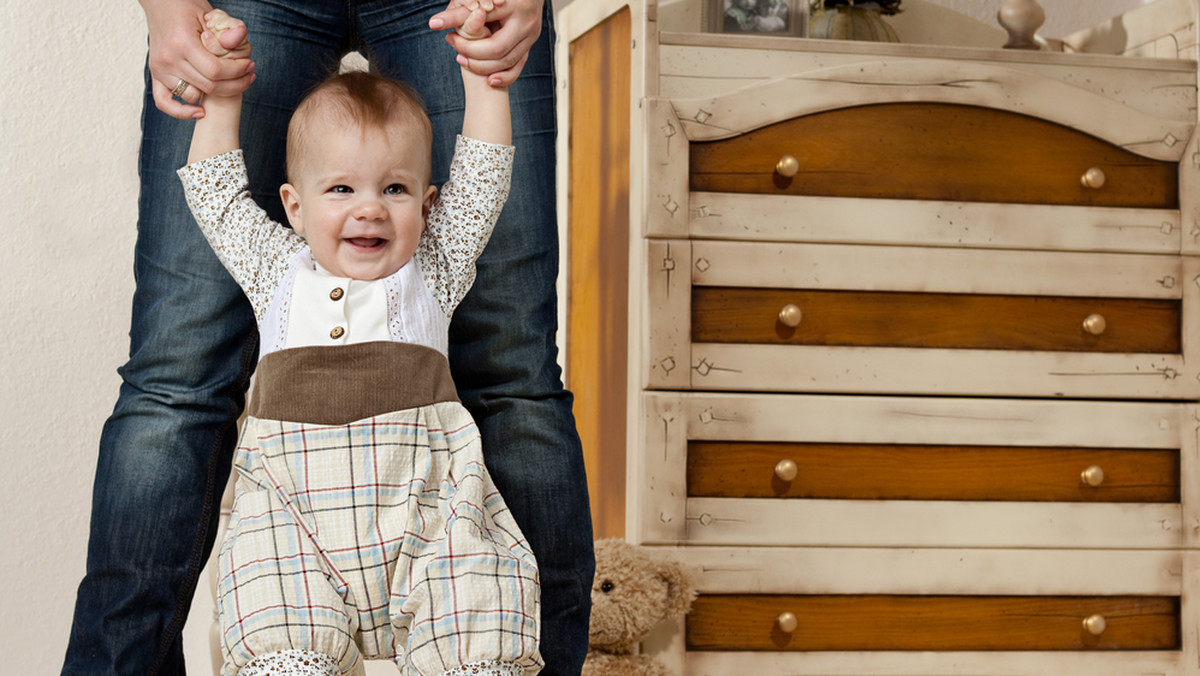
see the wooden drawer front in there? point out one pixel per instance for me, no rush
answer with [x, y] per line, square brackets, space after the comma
[913, 472]
[943, 623]
[933, 151]
[894, 319]
[739, 469]
[916, 612]
[911, 320]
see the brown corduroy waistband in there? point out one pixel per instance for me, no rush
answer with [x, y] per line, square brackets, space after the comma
[335, 385]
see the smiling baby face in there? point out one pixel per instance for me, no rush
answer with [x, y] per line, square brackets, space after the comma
[358, 168]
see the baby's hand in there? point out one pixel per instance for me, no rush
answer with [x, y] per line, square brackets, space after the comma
[474, 27]
[225, 36]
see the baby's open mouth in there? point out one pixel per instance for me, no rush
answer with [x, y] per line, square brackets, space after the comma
[366, 242]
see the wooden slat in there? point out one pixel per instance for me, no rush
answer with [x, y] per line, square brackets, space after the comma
[906, 370]
[934, 152]
[861, 419]
[945, 270]
[899, 319]
[885, 622]
[668, 350]
[930, 523]
[598, 272]
[925, 472]
[987, 225]
[936, 571]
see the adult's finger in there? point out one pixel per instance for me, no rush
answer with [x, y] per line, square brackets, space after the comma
[209, 75]
[450, 18]
[498, 73]
[515, 27]
[233, 86]
[164, 101]
[494, 59]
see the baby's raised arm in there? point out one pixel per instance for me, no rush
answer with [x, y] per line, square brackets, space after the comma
[217, 131]
[486, 116]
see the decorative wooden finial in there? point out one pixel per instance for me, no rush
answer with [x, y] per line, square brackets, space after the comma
[1021, 18]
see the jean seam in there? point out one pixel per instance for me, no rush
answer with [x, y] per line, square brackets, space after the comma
[196, 562]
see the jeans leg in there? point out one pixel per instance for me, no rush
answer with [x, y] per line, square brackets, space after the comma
[502, 348]
[165, 451]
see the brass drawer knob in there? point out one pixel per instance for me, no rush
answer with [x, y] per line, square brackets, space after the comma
[1092, 476]
[790, 315]
[1093, 178]
[1095, 324]
[1095, 624]
[787, 622]
[787, 166]
[786, 470]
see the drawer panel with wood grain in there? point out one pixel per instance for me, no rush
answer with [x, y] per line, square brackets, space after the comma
[915, 612]
[933, 151]
[946, 320]
[834, 471]
[763, 622]
[785, 317]
[745, 469]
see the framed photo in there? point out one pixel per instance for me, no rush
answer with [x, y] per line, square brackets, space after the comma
[757, 17]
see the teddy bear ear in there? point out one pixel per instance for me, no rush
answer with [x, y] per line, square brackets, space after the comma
[681, 590]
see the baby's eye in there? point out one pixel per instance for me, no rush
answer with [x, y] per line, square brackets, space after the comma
[341, 189]
[395, 189]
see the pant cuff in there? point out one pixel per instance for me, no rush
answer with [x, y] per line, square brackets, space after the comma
[490, 668]
[291, 663]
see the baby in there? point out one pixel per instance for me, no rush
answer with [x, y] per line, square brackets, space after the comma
[365, 525]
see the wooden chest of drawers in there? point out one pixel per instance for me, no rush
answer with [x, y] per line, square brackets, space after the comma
[895, 345]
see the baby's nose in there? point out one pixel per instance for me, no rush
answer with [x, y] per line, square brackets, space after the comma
[370, 210]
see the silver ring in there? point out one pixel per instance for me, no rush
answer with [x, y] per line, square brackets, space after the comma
[180, 88]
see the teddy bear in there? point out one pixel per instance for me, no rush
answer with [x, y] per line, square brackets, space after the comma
[633, 591]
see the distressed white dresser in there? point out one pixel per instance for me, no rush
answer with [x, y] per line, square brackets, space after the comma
[898, 346]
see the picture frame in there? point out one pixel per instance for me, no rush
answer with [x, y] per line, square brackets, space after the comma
[788, 18]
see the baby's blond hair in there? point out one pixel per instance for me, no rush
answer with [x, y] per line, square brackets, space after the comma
[365, 99]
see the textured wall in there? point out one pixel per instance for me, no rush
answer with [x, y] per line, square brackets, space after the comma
[69, 102]
[69, 111]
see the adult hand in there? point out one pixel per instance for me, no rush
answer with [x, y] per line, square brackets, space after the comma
[514, 24]
[177, 54]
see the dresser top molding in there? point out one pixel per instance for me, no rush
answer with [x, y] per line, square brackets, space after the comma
[919, 80]
[783, 44]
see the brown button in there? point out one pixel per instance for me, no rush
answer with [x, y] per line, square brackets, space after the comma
[336, 294]
[337, 332]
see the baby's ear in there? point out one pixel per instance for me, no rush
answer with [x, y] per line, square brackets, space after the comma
[427, 201]
[291, 206]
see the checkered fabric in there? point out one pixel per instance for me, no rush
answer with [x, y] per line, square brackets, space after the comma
[379, 538]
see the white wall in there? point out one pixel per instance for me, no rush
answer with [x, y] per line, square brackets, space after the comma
[69, 110]
[69, 101]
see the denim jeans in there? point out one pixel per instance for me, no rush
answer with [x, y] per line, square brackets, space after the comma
[165, 452]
